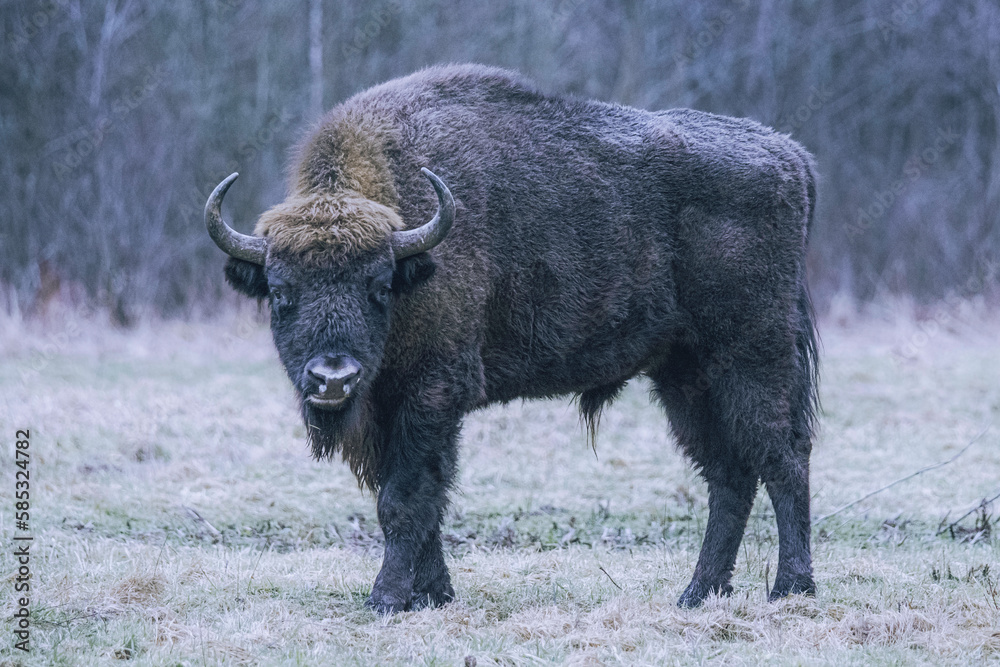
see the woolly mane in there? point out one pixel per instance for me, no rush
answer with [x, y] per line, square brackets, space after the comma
[318, 225]
[344, 197]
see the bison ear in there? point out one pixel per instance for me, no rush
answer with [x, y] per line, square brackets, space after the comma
[247, 278]
[412, 271]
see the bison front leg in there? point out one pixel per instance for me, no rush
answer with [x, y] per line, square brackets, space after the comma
[411, 502]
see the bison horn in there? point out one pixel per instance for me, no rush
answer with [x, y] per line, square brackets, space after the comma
[425, 237]
[248, 248]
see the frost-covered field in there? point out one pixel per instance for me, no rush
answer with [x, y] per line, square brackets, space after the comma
[178, 519]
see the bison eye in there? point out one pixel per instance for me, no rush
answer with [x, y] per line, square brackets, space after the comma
[381, 293]
[279, 296]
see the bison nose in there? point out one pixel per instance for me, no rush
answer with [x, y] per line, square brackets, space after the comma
[331, 379]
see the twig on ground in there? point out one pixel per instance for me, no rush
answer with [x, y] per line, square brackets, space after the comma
[903, 479]
[767, 578]
[198, 518]
[982, 504]
[259, 556]
[601, 568]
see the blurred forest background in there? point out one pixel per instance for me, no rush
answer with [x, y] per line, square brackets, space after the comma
[117, 119]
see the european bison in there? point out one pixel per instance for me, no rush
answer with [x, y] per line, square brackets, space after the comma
[587, 243]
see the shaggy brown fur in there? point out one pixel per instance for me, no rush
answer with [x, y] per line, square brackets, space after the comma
[343, 197]
[592, 243]
[322, 225]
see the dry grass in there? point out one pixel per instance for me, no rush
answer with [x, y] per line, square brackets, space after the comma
[179, 520]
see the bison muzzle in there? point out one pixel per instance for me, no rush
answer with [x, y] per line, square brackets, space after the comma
[586, 244]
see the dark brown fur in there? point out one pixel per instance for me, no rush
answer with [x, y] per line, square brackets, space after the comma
[592, 243]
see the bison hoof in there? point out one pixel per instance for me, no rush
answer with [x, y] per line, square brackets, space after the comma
[696, 592]
[385, 604]
[393, 604]
[790, 585]
[440, 598]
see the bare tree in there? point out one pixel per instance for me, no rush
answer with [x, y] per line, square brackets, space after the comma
[117, 119]
[315, 58]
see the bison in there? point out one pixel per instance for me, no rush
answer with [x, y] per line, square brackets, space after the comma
[577, 244]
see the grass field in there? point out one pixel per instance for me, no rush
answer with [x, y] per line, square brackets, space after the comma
[178, 519]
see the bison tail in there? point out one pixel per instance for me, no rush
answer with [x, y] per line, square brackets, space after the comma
[806, 339]
[807, 344]
[810, 190]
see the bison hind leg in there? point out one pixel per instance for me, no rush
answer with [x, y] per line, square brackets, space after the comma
[592, 403]
[742, 420]
[688, 394]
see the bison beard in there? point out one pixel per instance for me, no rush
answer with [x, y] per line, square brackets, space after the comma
[591, 244]
[350, 431]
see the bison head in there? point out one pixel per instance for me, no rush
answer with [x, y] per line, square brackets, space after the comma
[331, 284]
